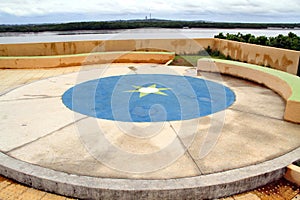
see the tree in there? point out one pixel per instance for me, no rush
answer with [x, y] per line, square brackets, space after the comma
[291, 41]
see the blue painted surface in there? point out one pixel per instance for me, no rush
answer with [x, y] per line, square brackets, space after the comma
[109, 98]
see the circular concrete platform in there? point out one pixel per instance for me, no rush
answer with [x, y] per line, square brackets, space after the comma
[48, 146]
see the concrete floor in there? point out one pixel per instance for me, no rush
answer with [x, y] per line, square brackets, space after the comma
[55, 143]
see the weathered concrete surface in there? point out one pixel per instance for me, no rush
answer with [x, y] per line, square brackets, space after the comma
[255, 107]
[243, 156]
[285, 84]
[36, 62]
[181, 46]
[282, 59]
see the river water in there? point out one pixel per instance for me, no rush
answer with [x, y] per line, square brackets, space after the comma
[147, 33]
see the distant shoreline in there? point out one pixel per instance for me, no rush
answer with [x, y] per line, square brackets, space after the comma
[135, 24]
[127, 34]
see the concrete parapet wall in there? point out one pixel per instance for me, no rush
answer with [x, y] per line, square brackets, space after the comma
[281, 59]
[35, 62]
[179, 46]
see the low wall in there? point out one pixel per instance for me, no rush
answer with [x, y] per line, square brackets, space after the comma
[35, 62]
[286, 85]
[293, 174]
[281, 59]
[179, 46]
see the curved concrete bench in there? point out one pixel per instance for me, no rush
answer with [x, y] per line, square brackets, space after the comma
[285, 84]
[35, 62]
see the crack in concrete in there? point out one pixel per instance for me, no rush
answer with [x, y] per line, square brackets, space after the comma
[44, 136]
[257, 114]
[34, 97]
[187, 150]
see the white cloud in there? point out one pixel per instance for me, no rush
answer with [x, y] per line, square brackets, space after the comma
[29, 8]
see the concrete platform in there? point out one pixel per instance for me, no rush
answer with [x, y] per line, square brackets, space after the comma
[46, 145]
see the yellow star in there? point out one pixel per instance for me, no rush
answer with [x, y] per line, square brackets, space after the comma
[152, 89]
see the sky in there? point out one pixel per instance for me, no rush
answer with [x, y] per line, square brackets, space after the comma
[57, 11]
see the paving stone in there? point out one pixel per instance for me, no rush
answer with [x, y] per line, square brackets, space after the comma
[13, 191]
[248, 196]
[32, 194]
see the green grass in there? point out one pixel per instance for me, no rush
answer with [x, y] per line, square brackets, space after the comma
[187, 60]
[190, 60]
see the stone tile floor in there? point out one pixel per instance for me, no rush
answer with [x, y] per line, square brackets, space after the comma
[281, 190]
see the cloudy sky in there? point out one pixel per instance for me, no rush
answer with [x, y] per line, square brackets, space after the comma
[51, 11]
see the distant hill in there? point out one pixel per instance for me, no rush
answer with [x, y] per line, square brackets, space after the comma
[139, 23]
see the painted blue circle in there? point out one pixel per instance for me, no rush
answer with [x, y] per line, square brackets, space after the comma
[148, 98]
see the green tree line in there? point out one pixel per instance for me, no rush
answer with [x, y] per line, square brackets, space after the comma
[129, 24]
[290, 41]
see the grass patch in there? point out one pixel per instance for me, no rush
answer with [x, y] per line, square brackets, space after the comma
[186, 60]
[191, 60]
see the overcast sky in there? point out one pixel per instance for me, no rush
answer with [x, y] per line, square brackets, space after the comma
[51, 11]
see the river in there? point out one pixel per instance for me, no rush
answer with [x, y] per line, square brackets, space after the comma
[147, 33]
